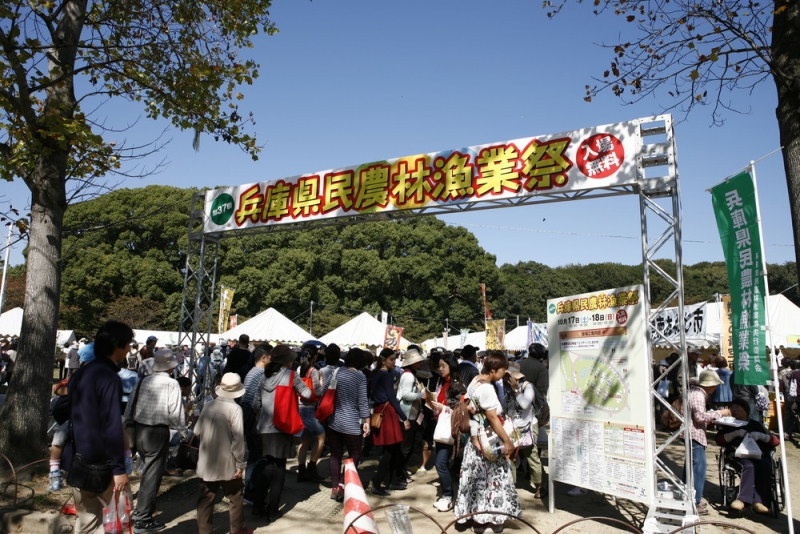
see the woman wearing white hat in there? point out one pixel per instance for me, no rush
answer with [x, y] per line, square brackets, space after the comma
[409, 393]
[221, 461]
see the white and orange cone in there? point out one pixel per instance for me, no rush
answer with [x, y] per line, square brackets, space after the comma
[355, 503]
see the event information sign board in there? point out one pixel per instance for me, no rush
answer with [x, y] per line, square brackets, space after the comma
[590, 158]
[600, 403]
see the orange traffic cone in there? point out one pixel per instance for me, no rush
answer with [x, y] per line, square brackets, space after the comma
[355, 503]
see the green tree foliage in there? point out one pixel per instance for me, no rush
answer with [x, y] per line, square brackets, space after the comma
[123, 257]
[421, 271]
[525, 287]
[178, 59]
[124, 254]
[696, 52]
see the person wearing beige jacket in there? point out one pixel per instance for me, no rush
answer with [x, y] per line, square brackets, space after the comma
[220, 430]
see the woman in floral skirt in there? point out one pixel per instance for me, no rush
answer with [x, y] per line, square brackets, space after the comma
[487, 485]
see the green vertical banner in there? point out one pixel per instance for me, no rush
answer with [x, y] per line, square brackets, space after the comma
[736, 210]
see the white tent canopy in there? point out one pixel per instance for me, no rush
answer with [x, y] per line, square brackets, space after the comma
[11, 322]
[363, 330]
[476, 339]
[783, 316]
[269, 325]
[784, 320]
[64, 336]
[516, 339]
[165, 337]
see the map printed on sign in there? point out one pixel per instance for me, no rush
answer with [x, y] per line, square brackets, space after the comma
[599, 393]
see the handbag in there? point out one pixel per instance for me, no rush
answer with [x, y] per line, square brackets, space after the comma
[309, 382]
[328, 402]
[188, 453]
[286, 416]
[376, 418]
[524, 428]
[89, 477]
[748, 448]
[443, 433]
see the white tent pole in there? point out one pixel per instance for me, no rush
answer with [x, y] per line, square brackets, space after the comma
[773, 362]
[5, 267]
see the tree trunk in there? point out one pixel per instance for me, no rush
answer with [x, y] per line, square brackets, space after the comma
[786, 72]
[24, 415]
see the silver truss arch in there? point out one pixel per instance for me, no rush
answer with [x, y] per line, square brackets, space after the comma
[658, 193]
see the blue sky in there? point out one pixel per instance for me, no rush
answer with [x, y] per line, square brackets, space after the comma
[351, 82]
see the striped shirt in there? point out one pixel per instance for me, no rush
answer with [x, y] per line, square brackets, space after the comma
[251, 382]
[351, 405]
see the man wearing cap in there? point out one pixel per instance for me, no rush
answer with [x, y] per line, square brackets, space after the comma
[707, 382]
[221, 460]
[467, 368]
[159, 407]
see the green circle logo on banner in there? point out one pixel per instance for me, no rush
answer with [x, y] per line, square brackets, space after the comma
[222, 209]
[552, 308]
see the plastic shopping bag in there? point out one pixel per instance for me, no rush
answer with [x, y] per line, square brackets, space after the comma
[748, 448]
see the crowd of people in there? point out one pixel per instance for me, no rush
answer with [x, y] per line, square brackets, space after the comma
[473, 417]
[735, 411]
[263, 406]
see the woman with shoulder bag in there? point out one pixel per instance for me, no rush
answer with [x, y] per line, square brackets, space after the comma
[527, 424]
[313, 431]
[487, 482]
[276, 397]
[349, 423]
[442, 402]
[390, 433]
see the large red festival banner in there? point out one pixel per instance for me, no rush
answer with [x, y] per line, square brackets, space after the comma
[590, 158]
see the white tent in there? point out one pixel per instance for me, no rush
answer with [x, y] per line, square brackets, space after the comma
[784, 320]
[165, 337]
[64, 336]
[269, 325]
[362, 330]
[11, 322]
[517, 339]
[476, 339]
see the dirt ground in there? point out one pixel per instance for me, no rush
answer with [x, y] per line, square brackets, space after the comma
[307, 507]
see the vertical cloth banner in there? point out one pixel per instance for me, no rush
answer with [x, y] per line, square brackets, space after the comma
[485, 304]
[726, 331]
[737, 214]
[495, 334]
[225, 301]
[391, 340]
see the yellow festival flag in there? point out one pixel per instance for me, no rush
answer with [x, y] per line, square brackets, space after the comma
[225, 301]
[495, 334]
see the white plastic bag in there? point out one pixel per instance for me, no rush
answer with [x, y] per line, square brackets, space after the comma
[110, 515]
[443, 433]
[124, 505]
[748, 448]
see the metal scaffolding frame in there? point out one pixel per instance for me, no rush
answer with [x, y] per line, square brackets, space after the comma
[657, 181]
